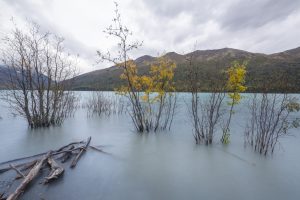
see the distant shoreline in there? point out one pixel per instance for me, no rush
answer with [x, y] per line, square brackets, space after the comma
[203, 91]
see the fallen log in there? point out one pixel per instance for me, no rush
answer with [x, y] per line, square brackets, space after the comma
[75, 160]
[67, 155]
[58, 151]
[23, 158]
[2, 196]
[56, 171]
[29, 170]
[99, 150]
[72, 143]
[31, 175]
[28, 165]
[18, 171]
[18, 165]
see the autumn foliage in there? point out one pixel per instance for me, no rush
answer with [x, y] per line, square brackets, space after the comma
[235, 85]
[151, 96]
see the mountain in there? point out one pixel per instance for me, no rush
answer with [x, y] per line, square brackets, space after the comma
[5, 74]
[293, 54]
[274, 72]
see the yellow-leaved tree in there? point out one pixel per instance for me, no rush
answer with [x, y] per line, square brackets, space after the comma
[153, 109]
[151, 96]
[235, 85]
[159, 96]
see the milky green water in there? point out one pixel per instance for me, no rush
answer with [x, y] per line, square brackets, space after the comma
[165, 165]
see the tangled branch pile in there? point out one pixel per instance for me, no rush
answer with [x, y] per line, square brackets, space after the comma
[28, 171]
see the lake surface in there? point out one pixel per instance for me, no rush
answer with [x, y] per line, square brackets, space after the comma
[165, 165]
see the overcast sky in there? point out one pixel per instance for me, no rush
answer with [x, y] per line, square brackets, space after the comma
[264, 26]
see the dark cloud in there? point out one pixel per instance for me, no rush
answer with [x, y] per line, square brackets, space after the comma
[265, 26]
[34, 12]
[257, 13]
[200, 10]
[254, 25]
[230, 14]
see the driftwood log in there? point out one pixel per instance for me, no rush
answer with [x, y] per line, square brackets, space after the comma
[83, 149]
[30, 169]
[28, 165]
[56, 171]
[18, 165]
[98, 149]
[67, 155]
[18, 171]
[56, 152]
[32, 174]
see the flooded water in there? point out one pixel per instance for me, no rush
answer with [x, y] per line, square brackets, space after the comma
[165, 165]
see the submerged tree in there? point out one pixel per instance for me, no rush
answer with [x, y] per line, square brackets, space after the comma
[159, 97]
[235, 85]
[104, 104]
[270, 119]
[38, 68]
[211, 113]
[147, 92]
[206, 113]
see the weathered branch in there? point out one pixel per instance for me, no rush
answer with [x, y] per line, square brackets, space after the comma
[59, 151]
[75, 160]
[30, 164]
[67, 155]
[97, 149]
[35, 166]
[18, 171]
[56, 171]
[31, 175]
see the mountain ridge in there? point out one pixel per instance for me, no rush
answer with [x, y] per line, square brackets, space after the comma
[261, 67]
[264, 71]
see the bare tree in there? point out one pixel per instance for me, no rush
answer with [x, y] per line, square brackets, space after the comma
[38, 70]
[101, 104]
[170, 109]
[206, 113]
[270, 119]
[211, 113]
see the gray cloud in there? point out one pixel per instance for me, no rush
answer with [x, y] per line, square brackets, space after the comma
[32, 12]
[230, 14]
[265, 26]
[201, 11]
[234, 23]
[256, 13]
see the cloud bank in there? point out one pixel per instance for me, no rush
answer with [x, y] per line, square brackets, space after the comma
[264, 26]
